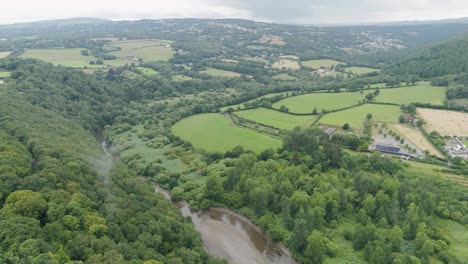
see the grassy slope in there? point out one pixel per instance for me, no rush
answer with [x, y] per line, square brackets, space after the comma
[4, 54]
[214, 132]
[241, 104]
[316, 64]
[424, 169]
[4, 74]
[360, 70]
[148, 50]
[355, 116]
[328, 101]
[147, 71]
[65, 57]
[276, 119]
[220, 73]
[421, 93]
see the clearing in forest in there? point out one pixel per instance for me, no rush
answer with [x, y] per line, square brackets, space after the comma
[221, 73]
[447, 123]
[242, 106]
[64, 57]
[416, 137]
[287, 64]
[317, 64]
[360, 70]
[4, 54]
[356, 115]
[5, 74]
[147, 50]
[146, 71]
[274, 40]
[276, 119]
[305, 104]
[216, 133]
[420, 93]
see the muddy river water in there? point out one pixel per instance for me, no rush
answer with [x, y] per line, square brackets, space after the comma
[230, 236]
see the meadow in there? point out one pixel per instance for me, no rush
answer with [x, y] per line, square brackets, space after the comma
[329, 101]
[146, 71]
[147, 50]
[317, 64]
[420, 93]
[360, 70]
[221, 73]
[447, 123]
[64, 57]
[356, 115]
[276, 119]
[241, 105]
[216, 133]
[5, 74]
[286, 64]
[430, 170]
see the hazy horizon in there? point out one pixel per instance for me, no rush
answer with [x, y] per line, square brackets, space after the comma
[290, 12]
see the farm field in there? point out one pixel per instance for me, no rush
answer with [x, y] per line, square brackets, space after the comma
[147, 71]
[274, 40]
[147, 50]
[241, 105]
[286, 64]
[65, 57]
[355, 116]
[216, 133]
[221, 73]
[360, 70]
[419, 168]
[284, 77]
[317, 64]
[417, 138]
[420, 93]
[276, 119]
[5, 74]
[447, 123]
[329, 101]
[4, 54]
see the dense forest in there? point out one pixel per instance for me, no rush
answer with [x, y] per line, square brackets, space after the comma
[63, 200]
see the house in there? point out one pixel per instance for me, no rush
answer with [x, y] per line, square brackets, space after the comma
[390, 149]
[330, 131]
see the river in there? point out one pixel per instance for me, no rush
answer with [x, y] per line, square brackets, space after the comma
[226, 234]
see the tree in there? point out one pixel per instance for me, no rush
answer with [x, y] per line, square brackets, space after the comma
[346, 126]
[314, 112]
[402, 119]
[214, 187]
[85, 52]
[316, 250]
[370, 96]
[299, 235]
[26, 203]
[369, 116]
[304, 139]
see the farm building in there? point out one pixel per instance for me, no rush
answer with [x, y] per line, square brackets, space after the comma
[390, 150]
[330, 131]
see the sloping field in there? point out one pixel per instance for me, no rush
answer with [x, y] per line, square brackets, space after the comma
[216, 133]
[147, 71]
[221, 73]
[5, 74]
[4, 54]
[329, 101]
[425, 169]
[355, 116]
[147, 50]
[417, 138]
[360, 70]
[317, 64]
[447, 123]
[241, 105]
[286, 64]
[276, 119]
[65, 57]
[421, 93]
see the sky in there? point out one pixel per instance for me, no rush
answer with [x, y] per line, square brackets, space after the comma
[279, 11]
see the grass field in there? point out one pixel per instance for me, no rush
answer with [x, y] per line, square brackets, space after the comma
[416, 137]
[216, 133]
[447, 123]
[5, 74]
[425, 169]
[328, 101]
[4, 54]
[458, 234]
[65, 57]
[284, 77]
[241, 105]
[276, 119]
[355, 116]
[286, 64]
[147, 71]
[421, 93]
[221, 73]
[360, 70]
[147, 50]
[274, 40]
[317, 64]
[181, 78]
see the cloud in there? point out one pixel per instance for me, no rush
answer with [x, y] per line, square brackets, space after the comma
[282, 11]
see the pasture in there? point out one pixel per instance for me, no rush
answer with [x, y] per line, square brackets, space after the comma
[5, 74]
[417, 138]
[286, 64]
[216, 133]
[284, 77]
[305, 104]
[241, 105]
[221, 73]
[4, 54]
[355, 116]
[317, 64]
[447, 123]
[431, 170]
[276, 119]
[420, 93]
[147, 50]
[64, 57]
[360, 70]
[273, 40]
[146, 71]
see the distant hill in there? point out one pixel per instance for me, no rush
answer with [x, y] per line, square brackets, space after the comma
[447, 58]
[58, 22]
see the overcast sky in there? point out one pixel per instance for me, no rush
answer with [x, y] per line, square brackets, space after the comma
[281, 11]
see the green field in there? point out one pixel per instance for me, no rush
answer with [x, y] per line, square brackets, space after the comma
[329, 101]
[276, 119]
[147, 50]
[147, 71]
[65, 57]
[284, 77]
[420, 93]
[220, 73]
[5, 74]
[355, 116]
[419, 168]
[317, 64]
[360, 70]
[241, 105]
[216, 133]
